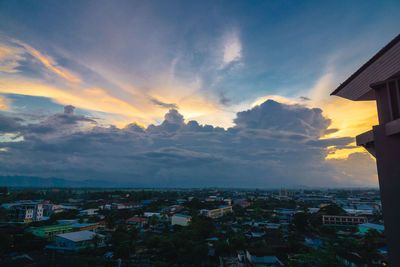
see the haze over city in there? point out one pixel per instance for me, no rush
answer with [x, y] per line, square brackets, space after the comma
[186, 94]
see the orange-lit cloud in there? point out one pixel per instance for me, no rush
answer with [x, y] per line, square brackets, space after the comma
[9, 57]
[95, 99]
[351, 118]
[49, 63]
[3, 104]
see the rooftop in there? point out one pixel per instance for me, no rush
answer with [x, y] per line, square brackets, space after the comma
[380, 67]
[79, 236]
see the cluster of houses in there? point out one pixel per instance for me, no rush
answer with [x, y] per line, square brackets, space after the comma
[89, 228]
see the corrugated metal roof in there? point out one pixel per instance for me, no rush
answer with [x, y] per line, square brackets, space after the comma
[79, 236]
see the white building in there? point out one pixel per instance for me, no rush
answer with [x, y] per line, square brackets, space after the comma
[180, 219]
[24, 211]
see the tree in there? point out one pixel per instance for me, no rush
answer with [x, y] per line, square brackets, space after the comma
[110, 221]
[300, 221]
[96, 239]
[332, 209]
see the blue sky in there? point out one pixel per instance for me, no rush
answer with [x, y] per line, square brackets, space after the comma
[121, 62]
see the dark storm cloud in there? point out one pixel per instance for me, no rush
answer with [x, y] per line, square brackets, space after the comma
[164, 105]
[271, 145]
[9, 124]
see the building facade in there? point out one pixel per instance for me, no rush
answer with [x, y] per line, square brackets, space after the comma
[343, 220]
[181, 219]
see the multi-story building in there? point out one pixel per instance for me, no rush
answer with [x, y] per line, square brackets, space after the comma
[50, 231]
[216, 213]
[24, 211]
[343, 220]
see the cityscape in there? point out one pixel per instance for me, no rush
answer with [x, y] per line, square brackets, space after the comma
[213, 133]
[192, 227]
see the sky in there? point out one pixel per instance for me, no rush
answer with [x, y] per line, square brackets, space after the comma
[188, 93]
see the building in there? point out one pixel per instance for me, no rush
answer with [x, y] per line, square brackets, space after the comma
[379, 79]
[216, 213]
[24, 211]
[88, 212]
[365, 227]
[75, 241]
[137, 221]
[259, 259]
[242, 202]
[85, 226]
[51, 231]
[180, 219]
[343, 220]
[124, 206]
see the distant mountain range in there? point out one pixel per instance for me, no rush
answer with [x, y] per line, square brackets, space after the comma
[32, 181]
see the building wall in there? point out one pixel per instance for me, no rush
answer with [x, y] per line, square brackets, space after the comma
[343, 220]
[180, 220]
[52, 230]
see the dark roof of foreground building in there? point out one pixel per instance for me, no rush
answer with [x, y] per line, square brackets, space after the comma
[380, 67]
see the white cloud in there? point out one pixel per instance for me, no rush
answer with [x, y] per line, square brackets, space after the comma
[232, 48]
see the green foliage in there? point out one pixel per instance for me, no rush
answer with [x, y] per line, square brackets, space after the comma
[300, 221]
[332, 209]
[321, 257]
[124, 242]
[28, 242]
[6, 241]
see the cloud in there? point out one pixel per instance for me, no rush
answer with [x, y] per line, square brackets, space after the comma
[270, 145]
[164, 105]
[3, 103]
[9, 58]
[49, 63]
[232, 48]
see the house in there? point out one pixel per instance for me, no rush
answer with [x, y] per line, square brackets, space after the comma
[242, 202]
[88, 212]
[260, 259]
[122, 206]
[180, 219]
[216, 213]
[138, 221]
[75, 241]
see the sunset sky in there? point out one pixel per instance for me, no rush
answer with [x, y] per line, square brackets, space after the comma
[188, 93]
